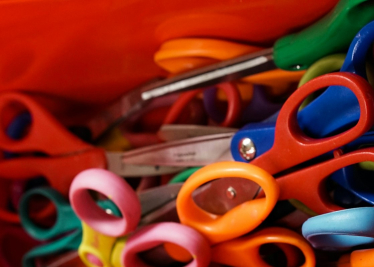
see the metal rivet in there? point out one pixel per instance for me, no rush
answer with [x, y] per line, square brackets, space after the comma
[109, 211]
[231, 193]
[296, 67]
[247, 149]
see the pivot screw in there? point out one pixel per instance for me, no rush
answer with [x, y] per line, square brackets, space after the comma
[247, 149]
[231, 193]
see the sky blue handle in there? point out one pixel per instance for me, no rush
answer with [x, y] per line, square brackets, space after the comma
[340, 230]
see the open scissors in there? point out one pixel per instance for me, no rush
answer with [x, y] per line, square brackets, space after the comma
[104, 228]
[291, 148]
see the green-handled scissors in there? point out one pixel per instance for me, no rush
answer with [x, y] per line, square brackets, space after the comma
[331, 34]
[67, 228]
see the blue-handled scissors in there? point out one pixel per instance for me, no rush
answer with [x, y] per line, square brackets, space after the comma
[319, 118]
[340, 230]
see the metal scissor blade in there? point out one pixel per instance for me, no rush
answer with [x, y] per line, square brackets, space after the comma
[228, 70]
[196, 151]
[154, 198]
[171, 132]
[116, 165]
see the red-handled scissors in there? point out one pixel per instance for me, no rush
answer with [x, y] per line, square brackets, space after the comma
[49, 150]
[291, 147]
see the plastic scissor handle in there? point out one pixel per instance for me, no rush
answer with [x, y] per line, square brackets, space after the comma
[244, 251]
[311, 191]
[45, 135]
[319, 118]
[117, 190]
[66, 219]
[237, 221]
[332, 34]
[168, 232]
[68, 242]
[340, 230]
[96, 248]
[292, 146]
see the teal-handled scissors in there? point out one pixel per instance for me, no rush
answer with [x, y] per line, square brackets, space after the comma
[66, 232]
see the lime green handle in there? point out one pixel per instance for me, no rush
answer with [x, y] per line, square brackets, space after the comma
[331, 34]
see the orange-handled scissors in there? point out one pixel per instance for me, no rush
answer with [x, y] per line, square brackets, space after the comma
[189, 53]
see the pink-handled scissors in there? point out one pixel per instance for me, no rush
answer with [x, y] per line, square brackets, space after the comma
[105, 228]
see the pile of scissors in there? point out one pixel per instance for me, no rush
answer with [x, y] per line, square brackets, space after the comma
[241, 155]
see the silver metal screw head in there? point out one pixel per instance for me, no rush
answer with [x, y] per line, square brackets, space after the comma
[247, 149]
[231, 193]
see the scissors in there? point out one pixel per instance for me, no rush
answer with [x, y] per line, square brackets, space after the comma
[335, 231]
[62, 154]
[173, 155]
[327, 42]
[66, 231]
[69, 226]
[331, 121]
[261, 136]
[182, 54]
[291, 147]
[105, 228]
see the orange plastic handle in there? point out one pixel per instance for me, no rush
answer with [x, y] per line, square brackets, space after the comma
[244, 251]
[183, 54]
[202, 47]
[239, 220]
[46, 134]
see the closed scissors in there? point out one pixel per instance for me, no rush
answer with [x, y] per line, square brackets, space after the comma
[182, 54]
[291, 148]
[109, 231]
[49, 150]
[304, 43]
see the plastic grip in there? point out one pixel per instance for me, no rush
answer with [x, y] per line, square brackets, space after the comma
[239, 220]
